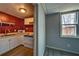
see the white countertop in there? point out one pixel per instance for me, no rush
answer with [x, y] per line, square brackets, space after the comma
[10, 36]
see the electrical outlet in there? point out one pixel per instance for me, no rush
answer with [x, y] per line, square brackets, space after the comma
[68, 45]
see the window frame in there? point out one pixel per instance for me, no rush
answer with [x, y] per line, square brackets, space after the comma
[76, 11]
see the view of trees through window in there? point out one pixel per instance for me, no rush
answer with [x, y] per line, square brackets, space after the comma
[69, 21]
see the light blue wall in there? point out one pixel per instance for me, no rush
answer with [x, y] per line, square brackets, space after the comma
[41, 30]
[53, 38]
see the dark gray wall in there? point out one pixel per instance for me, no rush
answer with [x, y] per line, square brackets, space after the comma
[53, 38]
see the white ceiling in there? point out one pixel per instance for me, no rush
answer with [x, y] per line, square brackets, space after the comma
[13, 9]
[59, 7]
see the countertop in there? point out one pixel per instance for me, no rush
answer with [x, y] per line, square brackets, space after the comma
[10, 35]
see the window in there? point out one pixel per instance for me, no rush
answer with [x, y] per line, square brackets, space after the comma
[69, 24]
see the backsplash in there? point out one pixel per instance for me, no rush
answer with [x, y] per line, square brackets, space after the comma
[7, 20]
[9, 23]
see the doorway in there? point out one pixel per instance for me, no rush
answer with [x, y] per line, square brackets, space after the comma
[20, 30]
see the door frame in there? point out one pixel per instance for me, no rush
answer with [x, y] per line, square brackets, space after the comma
[35, 30]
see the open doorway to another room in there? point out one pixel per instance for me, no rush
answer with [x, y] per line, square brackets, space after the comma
[16, 29]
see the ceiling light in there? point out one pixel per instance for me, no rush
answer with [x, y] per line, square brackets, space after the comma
[22, 10]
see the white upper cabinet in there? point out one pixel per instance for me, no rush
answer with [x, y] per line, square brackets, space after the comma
[28, 21]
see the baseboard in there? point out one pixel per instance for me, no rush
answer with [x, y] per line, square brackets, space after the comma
[62, 49]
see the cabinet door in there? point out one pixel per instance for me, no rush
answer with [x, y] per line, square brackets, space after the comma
[20, 39]
[4, 46]
[28, 42]
[11, 43]
[16, 42]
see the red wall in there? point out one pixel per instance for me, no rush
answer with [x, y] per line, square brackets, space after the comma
[19, 23]
[30, 28]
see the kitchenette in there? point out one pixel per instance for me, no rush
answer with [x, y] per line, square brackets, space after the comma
[14, 32]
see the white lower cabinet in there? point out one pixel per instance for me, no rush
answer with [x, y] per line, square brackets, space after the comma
[9, 43]
[21, 40]
[14, 42]
[4, 46]
[28, 42]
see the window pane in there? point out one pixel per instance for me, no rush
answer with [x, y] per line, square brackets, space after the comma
[69, 18]
[68, 30]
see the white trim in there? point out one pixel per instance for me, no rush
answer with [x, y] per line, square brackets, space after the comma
[76, 15]
[62, 49]
[71, 24]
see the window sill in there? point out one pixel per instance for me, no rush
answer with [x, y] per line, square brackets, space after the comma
[69, 36]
